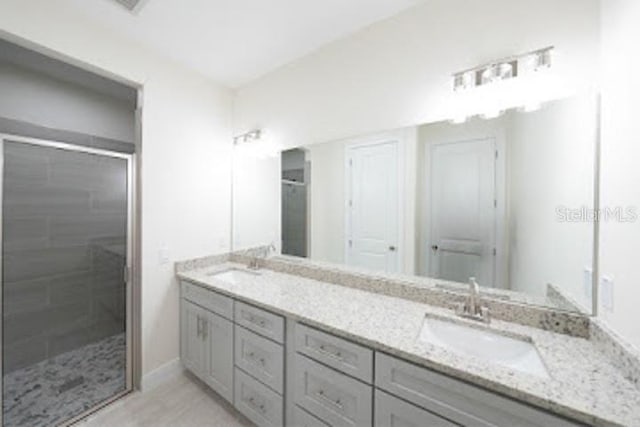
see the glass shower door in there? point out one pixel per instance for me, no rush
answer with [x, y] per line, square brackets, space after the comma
[65, 234]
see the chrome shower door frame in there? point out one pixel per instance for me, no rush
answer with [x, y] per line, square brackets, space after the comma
[132, 262]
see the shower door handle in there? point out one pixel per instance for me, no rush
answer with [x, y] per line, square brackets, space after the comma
[199, 327]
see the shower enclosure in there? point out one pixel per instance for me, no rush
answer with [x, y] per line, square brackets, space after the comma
[66, 311]
[295, 179]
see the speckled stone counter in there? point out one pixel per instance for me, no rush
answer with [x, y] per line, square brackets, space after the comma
[584, 384]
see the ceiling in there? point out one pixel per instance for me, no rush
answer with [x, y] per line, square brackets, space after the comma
[236, 41]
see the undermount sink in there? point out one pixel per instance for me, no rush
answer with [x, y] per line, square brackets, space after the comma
[233, 275]
[517, 354]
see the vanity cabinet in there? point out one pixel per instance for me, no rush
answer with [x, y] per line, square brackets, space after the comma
[237, 350]
[253, 358]
[207, 347]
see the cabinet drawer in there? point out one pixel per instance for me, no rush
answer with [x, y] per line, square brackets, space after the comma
[456, 400]
[338, 353]
[393, 412]
[257, 402]
[260, 321]
[334, 398]
[260, 357]
[302, 418]
[208, 299]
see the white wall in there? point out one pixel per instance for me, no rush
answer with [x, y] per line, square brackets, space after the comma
[256, 200]
[620, 242]
[397, 73]
[39, 99]
[551, 166]
[186, 154]
[327, 195]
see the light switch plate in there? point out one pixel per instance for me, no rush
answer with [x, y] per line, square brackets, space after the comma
[606, 292]
[163, 255]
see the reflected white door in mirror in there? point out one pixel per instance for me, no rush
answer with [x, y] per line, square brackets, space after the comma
[373, 208]
[463, 211]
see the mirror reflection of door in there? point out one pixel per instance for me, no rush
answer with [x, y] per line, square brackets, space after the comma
[373, 207]
[463, 211]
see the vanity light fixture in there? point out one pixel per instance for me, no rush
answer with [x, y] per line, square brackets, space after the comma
[257, 144]
[248, 137]
[463, 81]
[503, 69]
[539, 60]
[492, 88]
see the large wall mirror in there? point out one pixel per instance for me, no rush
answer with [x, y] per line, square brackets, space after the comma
[506, 200]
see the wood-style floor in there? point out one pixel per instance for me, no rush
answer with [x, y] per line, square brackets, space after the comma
[182, 401]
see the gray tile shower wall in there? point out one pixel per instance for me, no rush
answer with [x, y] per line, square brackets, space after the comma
[64, 229]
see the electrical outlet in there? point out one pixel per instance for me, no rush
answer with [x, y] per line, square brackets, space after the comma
[606, 292]
[587, 280]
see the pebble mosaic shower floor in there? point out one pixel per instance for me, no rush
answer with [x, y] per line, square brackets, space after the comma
[55, 390]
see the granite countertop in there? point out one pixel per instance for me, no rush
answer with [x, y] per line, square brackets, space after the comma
[583, 383]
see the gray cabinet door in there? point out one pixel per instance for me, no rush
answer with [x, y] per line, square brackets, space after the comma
[192, 342]
[218, 367]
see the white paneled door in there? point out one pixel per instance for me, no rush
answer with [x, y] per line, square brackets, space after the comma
[463, 211]
[373, 207]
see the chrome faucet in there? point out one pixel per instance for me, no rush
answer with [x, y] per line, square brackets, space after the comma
[260, 254]
[472, 308]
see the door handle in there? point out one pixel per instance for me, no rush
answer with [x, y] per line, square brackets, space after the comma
[434, 248]
[392, 248]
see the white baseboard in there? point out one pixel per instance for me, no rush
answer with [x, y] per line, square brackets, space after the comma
[161, 374]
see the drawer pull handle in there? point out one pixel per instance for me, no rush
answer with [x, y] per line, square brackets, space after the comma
[256, 360]
[261, 408]
[253, 319]
[337, 403]
[336, 355]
